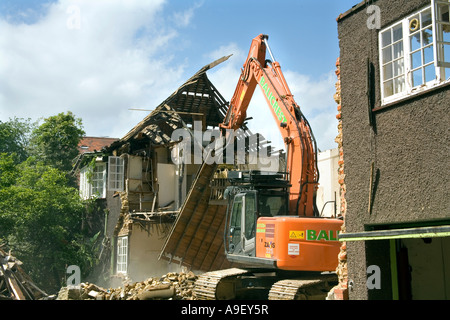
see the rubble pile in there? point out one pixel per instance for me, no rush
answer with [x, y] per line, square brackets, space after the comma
[15, 284]
[172, 286]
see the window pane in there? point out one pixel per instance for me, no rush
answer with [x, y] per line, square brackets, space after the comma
[415, 41]
[426, 18]
[399, 85]
[430, 73]
[250, 215]
[427, 36]
[397, 33]
[446, 53]
[447, 73]
[387, 71]
[387, 54]
[445, 32]
[398, 50]
[386, 38]
[428, 55]
[417, 78]
[388, 88]
[398, 67]
[443, 13]
[416, 59]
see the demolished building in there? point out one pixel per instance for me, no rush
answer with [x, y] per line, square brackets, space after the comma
[162, 214]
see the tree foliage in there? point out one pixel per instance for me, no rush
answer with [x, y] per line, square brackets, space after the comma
[41, 212]
[14, 137]
[56, 140]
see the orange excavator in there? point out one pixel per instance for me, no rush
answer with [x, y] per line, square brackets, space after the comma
[274, 234]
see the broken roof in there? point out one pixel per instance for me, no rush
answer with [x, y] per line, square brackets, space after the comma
[196, 99]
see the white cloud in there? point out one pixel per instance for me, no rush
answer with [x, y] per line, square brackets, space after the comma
[315, 98]
[98, 61]
[100, 58]
[183, 18]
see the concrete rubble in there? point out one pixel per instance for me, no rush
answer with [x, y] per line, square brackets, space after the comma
[171, 286]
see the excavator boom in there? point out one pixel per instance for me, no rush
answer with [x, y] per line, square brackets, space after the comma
[297, 134]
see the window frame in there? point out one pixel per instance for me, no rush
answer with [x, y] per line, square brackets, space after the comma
[98, 184]
[407, 72]
[87, 189]
[122, 255]
[440, 55]
[116, 173]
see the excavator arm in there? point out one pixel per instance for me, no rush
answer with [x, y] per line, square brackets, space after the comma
[296, 132]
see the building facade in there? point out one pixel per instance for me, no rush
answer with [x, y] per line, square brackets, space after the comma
[394, 109]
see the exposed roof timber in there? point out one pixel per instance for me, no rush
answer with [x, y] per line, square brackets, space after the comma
[190, 99]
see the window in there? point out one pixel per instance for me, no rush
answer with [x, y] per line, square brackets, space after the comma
[393, 60]
[93, 181]
[441, 12]
[250, 215]
[415, 52]
[235, 223]
[421, 46]
[122, 254]
[115, 173]
[98, 180]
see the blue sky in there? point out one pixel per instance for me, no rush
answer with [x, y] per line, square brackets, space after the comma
[100, 58]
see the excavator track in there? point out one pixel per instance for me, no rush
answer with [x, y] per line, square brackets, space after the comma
[237, 283]
[213, 285]
[314, 288]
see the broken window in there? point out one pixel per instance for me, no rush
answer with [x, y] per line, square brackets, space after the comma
[415, 52]
[122, 254]
[115, 173]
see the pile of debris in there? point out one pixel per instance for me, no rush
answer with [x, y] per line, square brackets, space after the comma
[15, 284]
[172, 286]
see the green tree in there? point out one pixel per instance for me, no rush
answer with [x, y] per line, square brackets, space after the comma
[41, 212]
[15, 136]
[56, 140]
[40, 220]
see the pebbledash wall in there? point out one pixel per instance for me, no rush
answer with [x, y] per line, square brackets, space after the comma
[395, 155]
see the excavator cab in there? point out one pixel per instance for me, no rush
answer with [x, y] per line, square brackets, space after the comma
[253, 195]
[246, 208]
[260, 231]
[243, 224]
